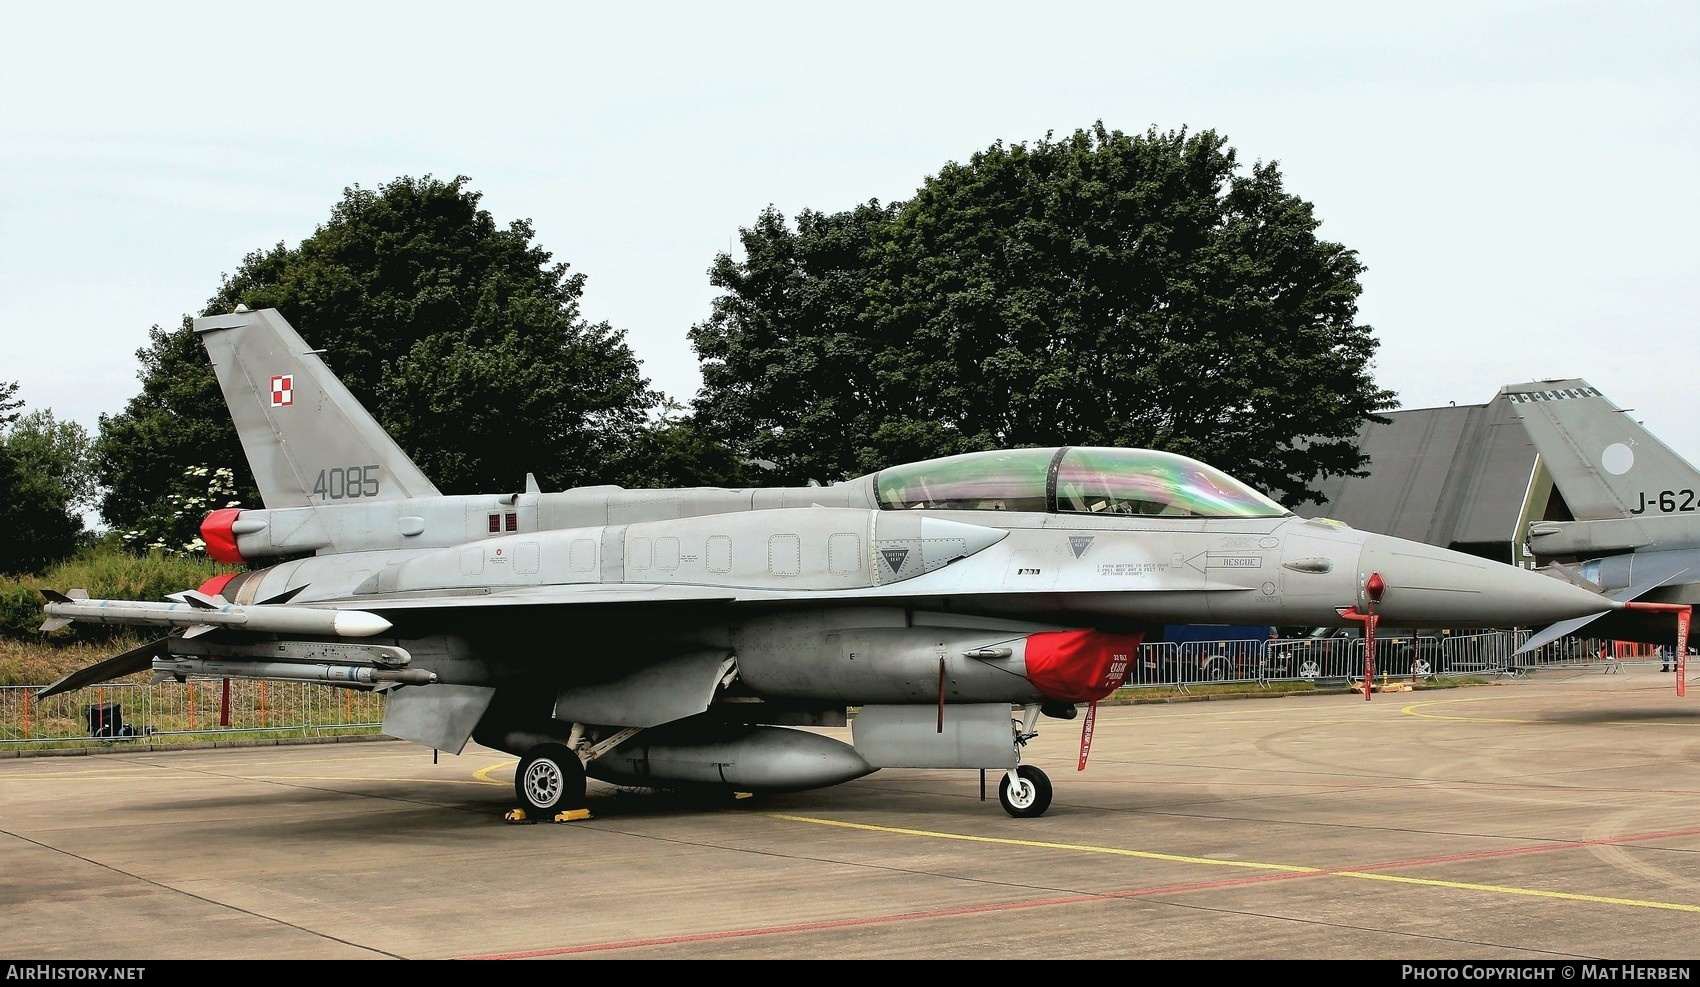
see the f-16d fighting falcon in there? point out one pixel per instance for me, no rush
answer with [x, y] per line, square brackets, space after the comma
[689, 638]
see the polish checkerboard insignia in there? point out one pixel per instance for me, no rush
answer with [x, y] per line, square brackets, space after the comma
[283, 390]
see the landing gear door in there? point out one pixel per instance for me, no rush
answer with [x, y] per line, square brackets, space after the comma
[670, 690]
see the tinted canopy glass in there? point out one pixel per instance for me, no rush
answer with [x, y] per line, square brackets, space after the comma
[1001, 480]
[1144, 481]
[1081, 480]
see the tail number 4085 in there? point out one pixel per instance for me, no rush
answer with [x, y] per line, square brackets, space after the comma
[347, 482]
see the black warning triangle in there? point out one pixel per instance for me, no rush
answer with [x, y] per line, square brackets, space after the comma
[1079, 543]
[894, 557]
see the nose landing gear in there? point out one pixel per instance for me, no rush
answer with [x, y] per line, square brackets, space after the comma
[1025, 791]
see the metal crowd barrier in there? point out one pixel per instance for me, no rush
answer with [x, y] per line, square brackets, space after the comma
[181, 713]
[1321, 660]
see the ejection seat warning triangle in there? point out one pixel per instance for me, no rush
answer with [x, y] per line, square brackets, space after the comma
[894, 557]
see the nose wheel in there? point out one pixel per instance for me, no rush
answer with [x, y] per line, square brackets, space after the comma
[1025, 791]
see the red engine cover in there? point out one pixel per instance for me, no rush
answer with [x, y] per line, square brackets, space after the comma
[221, 541]
[1080, 666]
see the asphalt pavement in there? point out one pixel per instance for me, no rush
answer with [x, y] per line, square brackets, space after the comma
[1550, 819]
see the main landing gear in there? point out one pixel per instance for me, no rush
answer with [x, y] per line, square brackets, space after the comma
[550, 785]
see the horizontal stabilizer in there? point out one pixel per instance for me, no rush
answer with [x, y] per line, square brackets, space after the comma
[1571, 626]
[1555, 631]
[1575, 578]
[135, 660]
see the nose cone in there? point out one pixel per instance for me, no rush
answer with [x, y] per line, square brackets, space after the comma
[1426, 585]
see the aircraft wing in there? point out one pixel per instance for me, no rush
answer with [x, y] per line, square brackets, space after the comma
[587, 594]
[592, 594]
[368, 615]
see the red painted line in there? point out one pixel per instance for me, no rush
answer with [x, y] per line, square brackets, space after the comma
[1083, 897]
[780, 929]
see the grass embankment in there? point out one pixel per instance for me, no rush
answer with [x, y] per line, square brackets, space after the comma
[231, 709]
[30, 657]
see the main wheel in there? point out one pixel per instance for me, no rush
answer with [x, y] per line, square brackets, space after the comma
[1028, 795]
[550, 780]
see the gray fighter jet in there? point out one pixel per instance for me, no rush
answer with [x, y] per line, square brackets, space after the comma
[691, 638]
[1633, 506]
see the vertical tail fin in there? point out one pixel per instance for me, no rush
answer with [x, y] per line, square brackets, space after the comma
[1603, 461]
[307, 439]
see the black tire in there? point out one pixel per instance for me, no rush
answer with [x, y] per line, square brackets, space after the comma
[1029, 796]
[1216, 669]
[549, 781]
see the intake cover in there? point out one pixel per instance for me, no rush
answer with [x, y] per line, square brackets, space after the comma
[1080, 666]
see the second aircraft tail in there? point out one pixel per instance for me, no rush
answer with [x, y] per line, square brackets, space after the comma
[1603, 461]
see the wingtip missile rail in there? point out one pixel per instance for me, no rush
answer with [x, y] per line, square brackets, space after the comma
[264, 618]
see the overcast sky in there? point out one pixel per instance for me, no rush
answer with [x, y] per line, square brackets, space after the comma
[1520, 179]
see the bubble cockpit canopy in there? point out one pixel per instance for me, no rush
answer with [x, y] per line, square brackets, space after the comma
[1072, 480]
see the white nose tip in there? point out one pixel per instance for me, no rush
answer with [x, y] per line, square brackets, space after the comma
[358, 623]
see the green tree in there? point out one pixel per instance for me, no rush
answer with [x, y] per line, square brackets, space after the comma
[1101, 289]
[58, 450]
[462, 337]
[795, 366]
[43, 473]
[673, 452]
